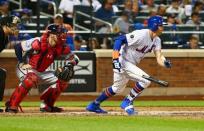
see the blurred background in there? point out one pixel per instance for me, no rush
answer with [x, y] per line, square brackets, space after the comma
[96, 22]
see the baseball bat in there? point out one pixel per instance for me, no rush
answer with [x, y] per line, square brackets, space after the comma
[160, 82]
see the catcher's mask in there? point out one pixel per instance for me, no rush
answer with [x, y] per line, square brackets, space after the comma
[55, 29]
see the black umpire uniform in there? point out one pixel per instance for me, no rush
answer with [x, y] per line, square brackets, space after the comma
[3, 43]
[4, 39]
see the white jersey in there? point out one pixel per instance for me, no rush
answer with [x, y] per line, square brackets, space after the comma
[138, 44]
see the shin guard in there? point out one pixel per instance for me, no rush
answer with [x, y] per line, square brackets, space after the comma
[50, 95]
[22, 90]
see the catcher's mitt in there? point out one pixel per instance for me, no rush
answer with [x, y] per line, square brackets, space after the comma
[65, 73]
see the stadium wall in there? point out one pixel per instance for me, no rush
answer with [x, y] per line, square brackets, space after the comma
[185, 76]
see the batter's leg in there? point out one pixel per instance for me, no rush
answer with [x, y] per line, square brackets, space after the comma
[134, 73]
[120, 82]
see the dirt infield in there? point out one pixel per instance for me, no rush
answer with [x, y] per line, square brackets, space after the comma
[193, 112]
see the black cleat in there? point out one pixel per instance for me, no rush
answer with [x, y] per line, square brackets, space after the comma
[51, 109]
[10, 109]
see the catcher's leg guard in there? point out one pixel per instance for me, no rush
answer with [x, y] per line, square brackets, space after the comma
[21, 91]
[50, 95]
[2, 82]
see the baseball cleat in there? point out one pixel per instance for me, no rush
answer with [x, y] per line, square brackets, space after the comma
[46, 108]
[1, 110]
[93, 107]
[127, 105]
[10, 109]
[51, 109]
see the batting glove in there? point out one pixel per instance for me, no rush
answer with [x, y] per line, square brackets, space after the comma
[167, 63]
[116, 64]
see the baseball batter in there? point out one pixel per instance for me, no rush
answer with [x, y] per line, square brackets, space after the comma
[32, 71]
[128, 51]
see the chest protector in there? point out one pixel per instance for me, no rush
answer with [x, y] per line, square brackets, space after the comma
[44, 55]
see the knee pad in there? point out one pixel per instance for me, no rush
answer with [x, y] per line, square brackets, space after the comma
[30, 80]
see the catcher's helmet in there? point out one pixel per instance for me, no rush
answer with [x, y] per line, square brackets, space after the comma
[55, 29]
[154, 22]
[9, 21]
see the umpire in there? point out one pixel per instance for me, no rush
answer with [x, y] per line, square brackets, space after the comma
[8, 27]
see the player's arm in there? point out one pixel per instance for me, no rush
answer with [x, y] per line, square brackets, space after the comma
[19, 52]
[67, 72]
[73, 59]
[70, 56]
[119, 41]
[26, 47]
[161, 60]
[20, 57]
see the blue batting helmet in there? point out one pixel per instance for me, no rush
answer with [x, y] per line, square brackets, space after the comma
[154, 22]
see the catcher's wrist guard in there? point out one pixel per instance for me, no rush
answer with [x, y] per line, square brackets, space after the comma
[66, 73]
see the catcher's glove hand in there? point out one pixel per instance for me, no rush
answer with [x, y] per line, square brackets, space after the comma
[66, 73]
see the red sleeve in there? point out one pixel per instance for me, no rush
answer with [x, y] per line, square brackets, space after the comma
[66, 50]
[36, 45]
[62, 50]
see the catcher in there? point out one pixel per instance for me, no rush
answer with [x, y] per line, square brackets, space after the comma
[32, 71]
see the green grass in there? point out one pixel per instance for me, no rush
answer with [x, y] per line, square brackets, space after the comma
[99, 123]
[104, 123]
[117, 103]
